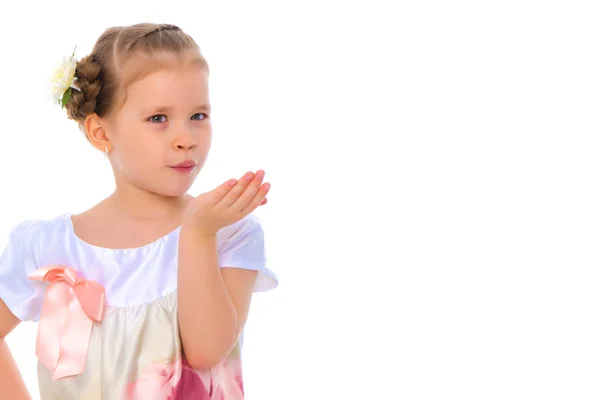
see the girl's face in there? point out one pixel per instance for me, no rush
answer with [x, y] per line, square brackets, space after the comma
[164, 122]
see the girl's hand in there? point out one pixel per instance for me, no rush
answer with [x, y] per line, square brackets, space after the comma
[227, 204]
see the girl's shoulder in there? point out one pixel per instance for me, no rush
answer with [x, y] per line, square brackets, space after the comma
[29, 231]
[20, 257]
[36, 241]
[242, 245]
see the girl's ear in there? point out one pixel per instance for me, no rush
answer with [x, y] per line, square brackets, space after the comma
[96, 132]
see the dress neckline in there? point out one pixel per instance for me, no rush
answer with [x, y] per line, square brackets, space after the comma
[71, 228]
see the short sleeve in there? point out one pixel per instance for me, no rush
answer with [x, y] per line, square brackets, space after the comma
[242, 245]
[22, 296]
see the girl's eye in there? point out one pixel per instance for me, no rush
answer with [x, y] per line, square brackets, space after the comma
[158, 118]
[199, 116]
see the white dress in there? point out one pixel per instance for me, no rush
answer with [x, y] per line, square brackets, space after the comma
[134, 351]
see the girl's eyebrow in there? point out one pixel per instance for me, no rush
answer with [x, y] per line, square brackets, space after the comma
[167, 109]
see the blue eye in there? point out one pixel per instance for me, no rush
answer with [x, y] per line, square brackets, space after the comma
[157, 118]
[199, 116]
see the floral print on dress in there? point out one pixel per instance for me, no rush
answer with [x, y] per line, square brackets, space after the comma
[156, 382]
[177, 380]
[226, 381]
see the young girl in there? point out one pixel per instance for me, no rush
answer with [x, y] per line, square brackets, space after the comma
[145, 295]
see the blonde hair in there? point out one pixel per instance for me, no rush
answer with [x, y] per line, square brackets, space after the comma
[101, 75]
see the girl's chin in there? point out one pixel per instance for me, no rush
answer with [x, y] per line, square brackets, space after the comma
[172, 190]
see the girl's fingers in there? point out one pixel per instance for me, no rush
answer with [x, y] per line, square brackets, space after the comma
[259, 199]
[221, 191]
[231, 196]
[250, 192]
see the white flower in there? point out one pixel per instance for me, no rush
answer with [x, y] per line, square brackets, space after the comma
[63, 78]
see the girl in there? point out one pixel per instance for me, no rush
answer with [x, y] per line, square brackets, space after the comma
[145, 295]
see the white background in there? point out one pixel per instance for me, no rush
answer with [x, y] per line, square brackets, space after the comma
[434, 216]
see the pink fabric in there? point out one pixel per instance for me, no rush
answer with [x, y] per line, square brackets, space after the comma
[157, 381]
[227, 380]
[193, 384]
[71, 305]
[177, 380]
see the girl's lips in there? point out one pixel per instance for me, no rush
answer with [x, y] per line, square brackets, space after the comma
[184, 169]
[185, 164]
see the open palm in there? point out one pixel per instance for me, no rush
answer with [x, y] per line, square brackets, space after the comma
[227, 204]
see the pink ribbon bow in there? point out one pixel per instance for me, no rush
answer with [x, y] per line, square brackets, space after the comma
[71, 305]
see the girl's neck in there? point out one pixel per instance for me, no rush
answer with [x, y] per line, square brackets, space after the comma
[138, 204]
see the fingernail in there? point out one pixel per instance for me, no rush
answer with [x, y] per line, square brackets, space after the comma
[249, 176]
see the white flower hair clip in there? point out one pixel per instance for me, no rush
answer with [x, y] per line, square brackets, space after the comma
[63, 80]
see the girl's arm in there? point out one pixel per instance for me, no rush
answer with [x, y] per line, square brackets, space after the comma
[12, 385]
[213, 302]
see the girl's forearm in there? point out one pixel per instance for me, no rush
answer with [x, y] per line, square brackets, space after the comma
[207, 316]
[12, 385]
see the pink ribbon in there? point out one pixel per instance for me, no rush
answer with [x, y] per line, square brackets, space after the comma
[71, 305]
